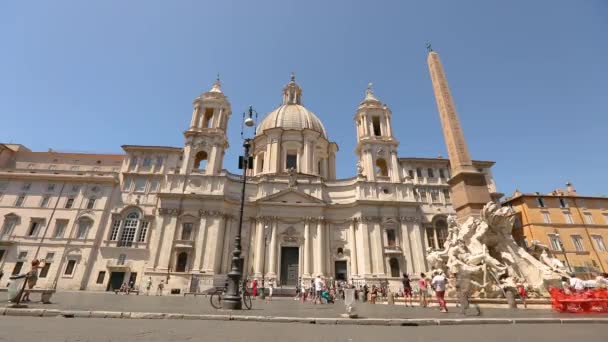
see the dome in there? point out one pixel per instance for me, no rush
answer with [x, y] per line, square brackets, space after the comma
[292, 115]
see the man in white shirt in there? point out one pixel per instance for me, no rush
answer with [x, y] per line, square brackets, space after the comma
[576, 283]
[318, 289]
[439, 283]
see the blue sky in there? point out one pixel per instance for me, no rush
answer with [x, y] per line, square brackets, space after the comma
[528, 77]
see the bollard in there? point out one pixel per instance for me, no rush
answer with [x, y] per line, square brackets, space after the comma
[350, 303]
[510, 296]
[390, 299]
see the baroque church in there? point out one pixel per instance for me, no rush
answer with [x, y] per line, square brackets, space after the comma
[171, 213]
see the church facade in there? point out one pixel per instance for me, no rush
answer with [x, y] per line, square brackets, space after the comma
[171, 213]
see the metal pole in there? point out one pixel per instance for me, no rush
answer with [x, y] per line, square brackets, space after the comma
[232, 299]
[263, 293]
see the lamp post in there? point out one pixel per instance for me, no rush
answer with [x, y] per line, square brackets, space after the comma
[263, 289]
[561, 246]
[232, 298]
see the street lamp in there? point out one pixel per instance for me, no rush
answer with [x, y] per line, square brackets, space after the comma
[266, 231]
[561, 246]
[232, 298]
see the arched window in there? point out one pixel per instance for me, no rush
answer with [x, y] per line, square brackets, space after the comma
[381, 168]
[129, 229]
[187, 229]
[441, 227]
[200, 160]
[208, 118]
[394, 265]
[182, 261]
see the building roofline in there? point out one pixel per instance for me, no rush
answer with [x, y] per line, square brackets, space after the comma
[446, 160]
[528, 195]
[150, 148]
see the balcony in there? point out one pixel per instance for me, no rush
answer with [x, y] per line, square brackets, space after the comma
[7, 240]
[392, 248]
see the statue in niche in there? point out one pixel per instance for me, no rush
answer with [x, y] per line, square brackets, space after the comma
[360, 169]
[293, 178]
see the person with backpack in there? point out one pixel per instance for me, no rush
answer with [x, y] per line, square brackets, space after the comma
[407, 290]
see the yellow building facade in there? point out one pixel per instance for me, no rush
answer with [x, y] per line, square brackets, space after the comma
[573, 227]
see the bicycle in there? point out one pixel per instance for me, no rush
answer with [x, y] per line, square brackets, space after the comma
[217, 297]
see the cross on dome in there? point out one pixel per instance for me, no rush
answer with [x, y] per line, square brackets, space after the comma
[217, 85]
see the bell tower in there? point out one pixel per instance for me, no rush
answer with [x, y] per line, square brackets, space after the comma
[376, 145]
[206, 140]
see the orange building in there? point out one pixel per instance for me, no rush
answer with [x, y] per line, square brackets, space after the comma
[573, 227]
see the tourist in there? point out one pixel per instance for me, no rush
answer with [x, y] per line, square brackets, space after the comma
[602, 281]
[422, 287]
[148, 286]
[318, 284]
[160, 287]
[270, 289]
[373, 295]
[32, 278]
[439, 283]
[576, 283]
[407, 290]
[254, 288]
[523, 294]
[365, 292]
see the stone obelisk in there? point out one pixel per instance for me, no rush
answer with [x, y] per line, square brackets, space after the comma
[468, 186]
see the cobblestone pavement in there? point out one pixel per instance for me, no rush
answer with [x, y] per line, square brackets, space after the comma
[117, 330]
[283, 307]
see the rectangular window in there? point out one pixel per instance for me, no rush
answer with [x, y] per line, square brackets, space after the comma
[419, 172]
[546, 217]
[133, 163]
[422, 194]
[50, 187]
[17, 268]
[26, 186]
[22, 256]
[154, 185]
[49, 257]
[434, 195]
[128, 233]
[599, 242]
[75, 188]
[45, 270]
[69, 202]
[126, 185]
[159, 162]
[429, 172]
[441, 173]
[411, 173]
[577, 240]
[376, 125]
[20, 201]
[430, 237]
[555, 242]
[568, 218]
[33, 230]
[143, 231]
[3, 185]
[588, 218]
[60, 228]
[1, 254]
[115, 229]
[45, 202]
[147, 162]
[69, 268]
[540, 201]
[100, 277]
[291, 161]
[391, 238]
[122, 258]
[446, 194]
[187, 231]
[140, 184]
[563, 203]
[7, 227]
[83, 229]
[91, 203]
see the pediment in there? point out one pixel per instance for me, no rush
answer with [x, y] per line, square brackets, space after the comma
[290, 196]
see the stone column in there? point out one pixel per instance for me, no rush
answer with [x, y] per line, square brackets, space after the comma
[167, 244]
[365, 266]
[418, 240]
[354, 269]
[377, 248]
[307, 249]
[272, 254]
[259, 249]
[407, 246]
[199, 244]
[395, 176]
[219, 244]
[332, 165]
[371, 171]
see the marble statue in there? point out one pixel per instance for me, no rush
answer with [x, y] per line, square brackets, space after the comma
[483, 250]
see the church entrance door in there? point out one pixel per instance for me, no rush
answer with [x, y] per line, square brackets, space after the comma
[290, 257]
[341, 272]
